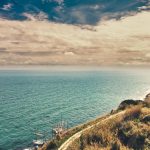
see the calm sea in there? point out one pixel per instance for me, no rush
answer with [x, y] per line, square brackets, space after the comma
[33, 101]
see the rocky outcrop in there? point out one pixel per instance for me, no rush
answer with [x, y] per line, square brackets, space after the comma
[147, 98]
[130, 102]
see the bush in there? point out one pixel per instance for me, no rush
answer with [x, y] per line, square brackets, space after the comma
[146, 119]
[132, 113]
[136, 142]
[51, 146]
[115, 146]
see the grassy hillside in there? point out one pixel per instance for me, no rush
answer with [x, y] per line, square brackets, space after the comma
[116, 131]
[129, 131]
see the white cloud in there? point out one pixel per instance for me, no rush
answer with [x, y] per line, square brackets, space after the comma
[69, 53]
[78, 15]
[41, 16]
[112, 42]
[7, 6]
[146, 7]
[96, 7]
[57, 1]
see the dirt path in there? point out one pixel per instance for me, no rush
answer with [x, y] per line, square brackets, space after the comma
[65, 145]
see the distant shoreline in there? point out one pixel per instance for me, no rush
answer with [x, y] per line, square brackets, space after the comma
[73, 67]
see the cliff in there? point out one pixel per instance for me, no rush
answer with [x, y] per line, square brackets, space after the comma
[126, 128]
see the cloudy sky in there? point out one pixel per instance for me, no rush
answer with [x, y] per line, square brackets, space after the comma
[75, 32]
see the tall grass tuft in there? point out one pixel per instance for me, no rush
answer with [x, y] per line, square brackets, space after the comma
[132, 113]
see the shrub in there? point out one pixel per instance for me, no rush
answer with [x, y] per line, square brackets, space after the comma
[81, 143]
[132, 113]
[146, 119]
[136, 142]
[51, 146]
[115, 146]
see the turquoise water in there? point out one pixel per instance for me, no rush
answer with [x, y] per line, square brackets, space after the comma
[32, 100]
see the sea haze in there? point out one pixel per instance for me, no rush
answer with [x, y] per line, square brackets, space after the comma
[35, 100]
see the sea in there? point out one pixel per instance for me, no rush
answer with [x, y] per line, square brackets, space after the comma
[35, 101]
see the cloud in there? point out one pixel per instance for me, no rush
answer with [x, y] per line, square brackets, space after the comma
[57, 1]
[7, 6]
[93, 12]
[110, 42]
[69, 53]
[72, 12]
[145, 7]
[41, 16]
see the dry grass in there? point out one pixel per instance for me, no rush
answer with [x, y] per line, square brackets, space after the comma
[121, 133]
[111, 134]
[132, 113]
[145, 111]
[98, 136]
[54, 144]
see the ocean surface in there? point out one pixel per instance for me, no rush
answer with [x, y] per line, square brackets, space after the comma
[33, 101]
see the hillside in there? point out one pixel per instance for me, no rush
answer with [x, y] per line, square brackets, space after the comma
[126, 128]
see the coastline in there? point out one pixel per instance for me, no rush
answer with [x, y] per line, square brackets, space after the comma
[98, 104]
[80, 129]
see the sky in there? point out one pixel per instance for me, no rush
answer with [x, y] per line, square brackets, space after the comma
[75, 32]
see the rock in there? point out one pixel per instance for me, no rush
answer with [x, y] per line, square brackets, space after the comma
[147, 98]
[126, 103]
